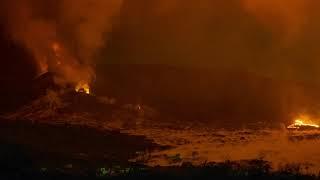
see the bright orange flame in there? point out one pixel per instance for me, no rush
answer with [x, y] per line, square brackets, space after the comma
[83, 87]
[298, 123]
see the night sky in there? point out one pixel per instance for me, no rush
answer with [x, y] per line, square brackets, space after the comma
[215, 33]
[278, 40]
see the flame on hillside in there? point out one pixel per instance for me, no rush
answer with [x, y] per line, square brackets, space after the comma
[62, 37]
[82, 87]
[56, 47]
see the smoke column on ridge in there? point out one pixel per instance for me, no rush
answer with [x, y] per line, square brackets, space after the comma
[62, 35]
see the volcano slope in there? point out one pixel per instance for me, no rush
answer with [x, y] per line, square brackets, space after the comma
[63, 128]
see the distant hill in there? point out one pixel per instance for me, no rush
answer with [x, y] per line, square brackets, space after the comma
[209, 94]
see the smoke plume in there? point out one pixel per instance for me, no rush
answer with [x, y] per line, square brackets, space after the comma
[62, 35]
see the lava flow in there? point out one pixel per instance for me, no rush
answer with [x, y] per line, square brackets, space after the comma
[298, 124]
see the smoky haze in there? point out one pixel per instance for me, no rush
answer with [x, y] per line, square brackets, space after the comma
[267, 39]
[272, 37]
[274, 42]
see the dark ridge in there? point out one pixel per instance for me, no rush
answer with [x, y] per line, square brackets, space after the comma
[210, 95]
[41, 84]
[16, 73]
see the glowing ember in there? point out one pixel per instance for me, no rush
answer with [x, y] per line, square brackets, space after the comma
[299, 124]
[83, 87]
[57, 50]
[56, 47]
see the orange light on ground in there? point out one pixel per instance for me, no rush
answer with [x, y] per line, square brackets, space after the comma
[298, 123]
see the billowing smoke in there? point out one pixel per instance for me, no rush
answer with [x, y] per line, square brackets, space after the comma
[62, 35]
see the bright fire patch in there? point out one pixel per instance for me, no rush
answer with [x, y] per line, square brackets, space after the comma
[300, 123]
[83, 87]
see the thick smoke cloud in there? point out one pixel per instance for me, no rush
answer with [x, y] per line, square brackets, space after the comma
[62, 35]
[278, 37]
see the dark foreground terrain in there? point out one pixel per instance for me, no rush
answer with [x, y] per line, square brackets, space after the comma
[32, 147]
[39, 151]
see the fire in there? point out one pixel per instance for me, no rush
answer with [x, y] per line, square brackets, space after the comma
[56, 47]
[57, 50]
[82, 87]
[298, 123]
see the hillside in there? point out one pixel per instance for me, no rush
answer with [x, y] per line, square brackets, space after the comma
[209, 94]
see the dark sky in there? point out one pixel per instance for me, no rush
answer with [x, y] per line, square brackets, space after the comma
[216, 33]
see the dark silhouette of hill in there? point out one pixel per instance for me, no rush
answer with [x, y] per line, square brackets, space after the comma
[24, 144]
[209, 94]
[16, 74]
